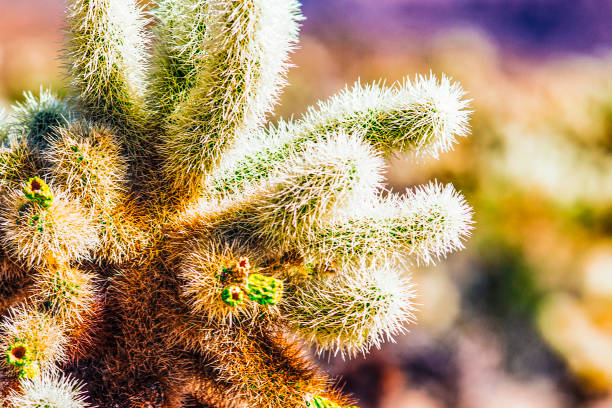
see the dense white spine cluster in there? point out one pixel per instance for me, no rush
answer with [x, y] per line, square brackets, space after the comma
[352, 311]
[424, 116]
[48, 390]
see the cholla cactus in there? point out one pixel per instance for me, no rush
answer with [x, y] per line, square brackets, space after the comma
[162, 246]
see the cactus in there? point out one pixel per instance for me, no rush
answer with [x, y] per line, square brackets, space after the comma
[161, 244]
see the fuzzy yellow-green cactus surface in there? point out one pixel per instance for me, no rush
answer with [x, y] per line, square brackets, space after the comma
[164, 246]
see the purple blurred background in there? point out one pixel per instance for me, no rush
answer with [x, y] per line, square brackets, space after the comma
[536, 27]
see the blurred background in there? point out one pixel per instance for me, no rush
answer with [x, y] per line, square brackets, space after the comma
[522, 317]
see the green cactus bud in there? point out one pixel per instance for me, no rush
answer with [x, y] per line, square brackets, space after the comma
[232, 296]
[36, 190]
[322, 402]
[264, 290]
[18, 354]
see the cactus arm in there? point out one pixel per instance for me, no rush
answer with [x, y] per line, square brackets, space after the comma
[105, 59]
[423, 117]
[425, 224]
[350, 311]
[236, 84]
[269, 370]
